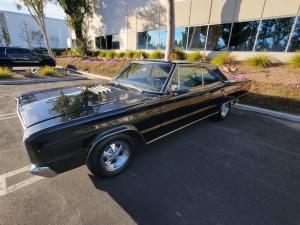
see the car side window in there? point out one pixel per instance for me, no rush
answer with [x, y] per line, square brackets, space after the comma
[207, 77]
[187, 77]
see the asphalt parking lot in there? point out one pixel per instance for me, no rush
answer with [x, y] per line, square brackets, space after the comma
[242, 171]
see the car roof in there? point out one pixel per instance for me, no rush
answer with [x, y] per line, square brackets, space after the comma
[14, 47]
[177, 62]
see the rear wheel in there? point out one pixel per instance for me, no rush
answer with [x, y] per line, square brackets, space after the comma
[223, 111]
[47, 63]
[111, 156]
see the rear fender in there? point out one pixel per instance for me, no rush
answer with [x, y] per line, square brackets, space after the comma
[114, 131]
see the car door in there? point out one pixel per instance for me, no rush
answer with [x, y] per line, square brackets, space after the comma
[194, 94]
[14, 56]
[29, 59]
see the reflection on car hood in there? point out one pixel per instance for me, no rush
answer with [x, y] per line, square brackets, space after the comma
[70, 103]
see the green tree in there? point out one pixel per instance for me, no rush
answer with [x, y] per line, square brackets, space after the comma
[36, 9]
[77, 11]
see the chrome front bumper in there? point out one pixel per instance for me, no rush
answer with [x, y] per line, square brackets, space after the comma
[43, 171]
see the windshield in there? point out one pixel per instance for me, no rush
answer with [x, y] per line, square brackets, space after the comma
[145, 77]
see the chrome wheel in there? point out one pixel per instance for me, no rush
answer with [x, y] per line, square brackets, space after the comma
[115, 155]
[225, 109]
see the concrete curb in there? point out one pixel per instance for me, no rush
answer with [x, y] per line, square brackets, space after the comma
[89, 75]
[15, 82]
[268, 112]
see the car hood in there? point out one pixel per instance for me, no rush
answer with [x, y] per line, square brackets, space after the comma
[69, 103]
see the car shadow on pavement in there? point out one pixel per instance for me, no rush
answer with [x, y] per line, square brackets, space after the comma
[209, 173]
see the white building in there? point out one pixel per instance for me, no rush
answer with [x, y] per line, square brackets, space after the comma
[243, 27]
[10, 28]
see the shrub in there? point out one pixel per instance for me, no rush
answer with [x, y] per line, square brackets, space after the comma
[129, 54]
[101, 54]
[71, 52]
[157, 54]
[47, 71]
[196, 56]
[120, 55]
[179, 54]
[140, 55]
[224, 58]
[110, 54]
[5, 73]
[261, 61]
[295, 61]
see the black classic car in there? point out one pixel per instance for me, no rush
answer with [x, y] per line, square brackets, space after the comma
[102, 125]
[21, 57]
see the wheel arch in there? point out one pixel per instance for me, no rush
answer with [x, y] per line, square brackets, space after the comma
[127, 129]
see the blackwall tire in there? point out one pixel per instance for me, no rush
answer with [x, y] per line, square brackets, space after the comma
[111, 156]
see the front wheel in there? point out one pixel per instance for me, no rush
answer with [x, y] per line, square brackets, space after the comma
[223, 111]
[111, 156]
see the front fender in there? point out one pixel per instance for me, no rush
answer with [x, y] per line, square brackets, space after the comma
[109, 133]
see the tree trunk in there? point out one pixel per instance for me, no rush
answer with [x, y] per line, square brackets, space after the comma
[80, 39]
[45, 34]
[170, 29]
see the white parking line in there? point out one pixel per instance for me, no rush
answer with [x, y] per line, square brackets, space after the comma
[8, 114]
[9, 117]
[4, 190]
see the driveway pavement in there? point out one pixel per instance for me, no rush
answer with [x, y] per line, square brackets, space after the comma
[242, 171]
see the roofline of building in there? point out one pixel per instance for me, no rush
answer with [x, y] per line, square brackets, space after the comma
[12, 12]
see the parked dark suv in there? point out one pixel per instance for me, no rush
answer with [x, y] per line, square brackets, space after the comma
[19, 57]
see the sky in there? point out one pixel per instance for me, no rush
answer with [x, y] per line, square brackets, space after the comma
[51, 10]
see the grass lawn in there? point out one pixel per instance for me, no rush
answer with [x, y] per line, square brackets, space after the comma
[276, 87]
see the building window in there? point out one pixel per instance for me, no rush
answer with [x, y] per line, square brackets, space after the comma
[274, 34]
[218, 37]
[153, 39]
[162, 39]
[295, 40]
[197, 38]
[142, 40]
[181, 37]
[243, 36]
[100, 42]
[116, 41]
[108, 42]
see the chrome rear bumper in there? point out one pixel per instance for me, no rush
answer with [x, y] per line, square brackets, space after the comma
[43, 171]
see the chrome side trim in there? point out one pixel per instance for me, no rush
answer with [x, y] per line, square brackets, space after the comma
[42, 171]
[19, 115]
[181, 128]
[176, 119]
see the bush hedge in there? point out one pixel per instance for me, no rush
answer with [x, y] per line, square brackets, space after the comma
[224, 58]
[47, 71]
[260, 60]
[5, 73]
[295, 60]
